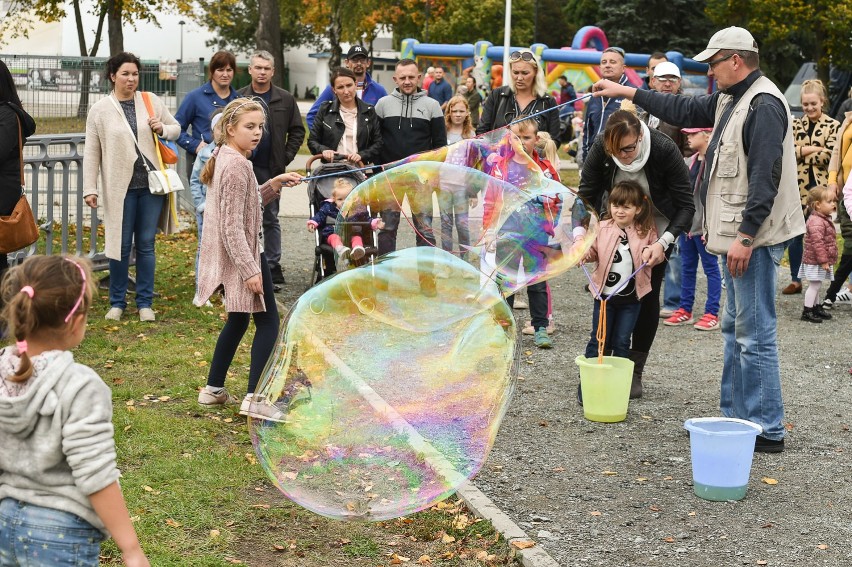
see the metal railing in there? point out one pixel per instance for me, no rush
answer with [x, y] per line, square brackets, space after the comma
[53, 171]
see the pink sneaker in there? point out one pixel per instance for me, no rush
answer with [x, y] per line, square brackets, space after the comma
[707, 322]
[679, 317]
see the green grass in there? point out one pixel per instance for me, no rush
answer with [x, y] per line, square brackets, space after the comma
[189, 474]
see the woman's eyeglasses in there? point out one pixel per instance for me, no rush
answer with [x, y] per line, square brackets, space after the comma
[629, 149]
[522, 56]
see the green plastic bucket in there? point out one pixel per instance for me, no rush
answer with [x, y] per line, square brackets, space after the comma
[606, 387]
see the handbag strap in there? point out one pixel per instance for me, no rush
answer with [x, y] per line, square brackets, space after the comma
[146, 98]
[21, 153]
[129, 129]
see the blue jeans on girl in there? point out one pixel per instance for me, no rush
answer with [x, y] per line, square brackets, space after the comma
[691, 250]
[620, 320]
[35, 535]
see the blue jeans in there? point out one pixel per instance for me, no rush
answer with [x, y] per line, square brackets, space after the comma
[691, 250]
[139, 224]
[751, 380]
[34, 535]
[620, 320]
[671, 288]
[795, 249]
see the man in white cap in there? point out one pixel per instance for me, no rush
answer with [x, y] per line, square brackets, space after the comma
[751, 208]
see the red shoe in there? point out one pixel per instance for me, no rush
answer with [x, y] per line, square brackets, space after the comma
[707, 322]
[679, 317]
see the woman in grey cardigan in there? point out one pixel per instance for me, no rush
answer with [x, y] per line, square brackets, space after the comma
[131, 211]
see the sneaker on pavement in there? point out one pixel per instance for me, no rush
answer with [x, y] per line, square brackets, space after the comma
[679, 317]
[529, 330]
[520, 304]
[146, 315]
[260, 408]
[666, 313]
[541, 338]
[207, 398]
[843, 296]
[708, 322]
[827, 303]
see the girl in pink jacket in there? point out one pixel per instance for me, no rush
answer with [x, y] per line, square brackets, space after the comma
[621, 239]
[232, 259]
[820, 253]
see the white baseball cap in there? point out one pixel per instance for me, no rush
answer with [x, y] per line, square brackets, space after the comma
[735, 38]
[666, 68]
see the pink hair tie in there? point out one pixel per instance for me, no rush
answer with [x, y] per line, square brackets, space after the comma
[29, 291]
[22, 346]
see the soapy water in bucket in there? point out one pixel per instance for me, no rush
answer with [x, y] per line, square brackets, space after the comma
[722, 450]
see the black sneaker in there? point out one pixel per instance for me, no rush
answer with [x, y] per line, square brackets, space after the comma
[809, 315]
[821, 313]
[764, 445]
[277, 275]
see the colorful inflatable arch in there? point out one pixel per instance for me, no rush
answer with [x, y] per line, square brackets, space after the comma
[579, 62]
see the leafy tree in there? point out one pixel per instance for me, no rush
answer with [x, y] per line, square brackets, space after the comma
[790, 32]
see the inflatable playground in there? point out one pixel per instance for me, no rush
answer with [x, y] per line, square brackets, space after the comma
[579, 62]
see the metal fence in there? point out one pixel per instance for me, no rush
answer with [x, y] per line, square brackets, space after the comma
[64, 87]
[53, 171]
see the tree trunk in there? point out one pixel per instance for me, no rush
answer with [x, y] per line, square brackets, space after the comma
[335, 30]
[116, 35]
[268, 36]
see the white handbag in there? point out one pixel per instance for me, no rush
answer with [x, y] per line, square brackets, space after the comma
[160, 182]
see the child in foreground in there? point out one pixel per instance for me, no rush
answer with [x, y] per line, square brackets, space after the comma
[59, 492]
[232, 258]
[820, 253]
[330, 208]
[619, 250]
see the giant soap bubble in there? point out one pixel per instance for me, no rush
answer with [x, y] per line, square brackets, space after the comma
[392, 397]
[394, 376]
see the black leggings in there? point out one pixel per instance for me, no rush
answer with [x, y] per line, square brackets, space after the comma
[649, 312]
[265, 334]
[843, 271]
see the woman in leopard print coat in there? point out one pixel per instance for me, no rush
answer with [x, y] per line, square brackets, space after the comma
[814, 135]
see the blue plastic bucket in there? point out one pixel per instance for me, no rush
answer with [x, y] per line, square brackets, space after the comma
[722, 449]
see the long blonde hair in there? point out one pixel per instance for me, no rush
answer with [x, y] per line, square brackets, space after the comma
[546, 146]
[467, 126]
[230, 116]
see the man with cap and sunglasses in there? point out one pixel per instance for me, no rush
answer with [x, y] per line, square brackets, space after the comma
[357, 61]
[599, 108]
[750, 194]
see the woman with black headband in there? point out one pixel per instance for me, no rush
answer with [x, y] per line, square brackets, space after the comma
[525, 95]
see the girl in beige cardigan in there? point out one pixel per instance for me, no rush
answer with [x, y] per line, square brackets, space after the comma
[232, 259]
[131, 212]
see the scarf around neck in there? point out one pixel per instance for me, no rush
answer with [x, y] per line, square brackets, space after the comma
[644, 153]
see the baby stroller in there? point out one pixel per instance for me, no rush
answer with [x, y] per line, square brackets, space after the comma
[320, 190]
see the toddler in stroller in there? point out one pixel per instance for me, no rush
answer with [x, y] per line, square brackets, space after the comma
[357, 221]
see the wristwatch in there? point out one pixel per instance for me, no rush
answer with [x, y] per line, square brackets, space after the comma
[746, 241]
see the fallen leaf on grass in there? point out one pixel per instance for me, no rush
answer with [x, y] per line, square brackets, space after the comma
[279, 548]
[399, 559]
[447, 538]
[172, 523]
[523, 544]
[767, 480]
[214, 533]
[264, 506]
[424, 560]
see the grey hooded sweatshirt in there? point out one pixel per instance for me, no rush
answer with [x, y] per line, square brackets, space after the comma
[56, 437]
[410, 124]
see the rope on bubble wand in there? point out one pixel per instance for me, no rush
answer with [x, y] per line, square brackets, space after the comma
[601, 334]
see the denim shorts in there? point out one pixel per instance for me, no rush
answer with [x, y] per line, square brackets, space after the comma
[35, 536]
